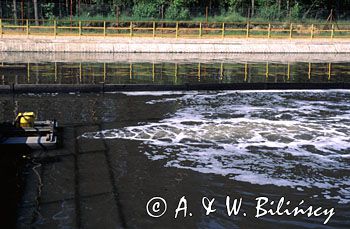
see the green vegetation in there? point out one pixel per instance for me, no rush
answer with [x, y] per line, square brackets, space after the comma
[211, 10]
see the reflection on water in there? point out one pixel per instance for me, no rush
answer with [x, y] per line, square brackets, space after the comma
[295, 139]
[171, 73]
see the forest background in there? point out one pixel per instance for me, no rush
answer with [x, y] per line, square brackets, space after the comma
[195, 10]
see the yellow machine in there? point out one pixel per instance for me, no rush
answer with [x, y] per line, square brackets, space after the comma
[25, 119]
[26, 131]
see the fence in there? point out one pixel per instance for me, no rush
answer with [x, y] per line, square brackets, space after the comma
[175, 29]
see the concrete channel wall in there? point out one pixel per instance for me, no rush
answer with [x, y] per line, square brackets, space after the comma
[170, 45]
[105, 88]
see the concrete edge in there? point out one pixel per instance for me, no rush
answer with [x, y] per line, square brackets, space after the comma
[64, 57]
[143, 45]
[102, 88]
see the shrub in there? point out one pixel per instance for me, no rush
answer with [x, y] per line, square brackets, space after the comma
[177, 13]
[48, 10]
[270, 12]
[145, 10]
[295, 11]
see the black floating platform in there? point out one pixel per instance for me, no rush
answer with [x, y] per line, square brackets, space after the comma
[87, 88]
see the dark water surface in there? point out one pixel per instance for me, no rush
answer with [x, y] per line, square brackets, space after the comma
[120, 150]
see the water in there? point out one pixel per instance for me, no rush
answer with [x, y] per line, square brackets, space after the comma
[180, 72]
[122, 149]
[295, 139]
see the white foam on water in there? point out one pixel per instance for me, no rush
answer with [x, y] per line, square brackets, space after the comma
[295, 139]
[225, 92]
[157, 93]
[41, 94]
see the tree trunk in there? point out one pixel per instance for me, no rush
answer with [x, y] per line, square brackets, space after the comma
[67, 7]
[71, 9]
[308, 11]
[59, 9]
[253, 8]
[22, 11]
[40, 12]
[14, 11]
[28, 9]
[36, 16]
[1, 9]
[79, 8]
[279, 7]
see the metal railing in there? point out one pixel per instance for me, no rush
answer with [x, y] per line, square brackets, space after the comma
[174, 29]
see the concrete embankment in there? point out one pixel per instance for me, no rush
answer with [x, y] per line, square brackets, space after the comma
[170, 45]
[75, 57]
[105, 88]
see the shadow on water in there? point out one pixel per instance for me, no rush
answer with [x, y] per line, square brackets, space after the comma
[13, 161]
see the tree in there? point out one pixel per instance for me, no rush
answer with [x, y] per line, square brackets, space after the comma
[14, 11]
[1, 16]
[177, 9]
[36, 16]
[279, 6]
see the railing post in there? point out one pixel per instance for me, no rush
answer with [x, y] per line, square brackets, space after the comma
[54, 28]
[27, 26]
[80, 73]
[175, 73]
[269, 31]
[130, 71]
[312, 31]
[332, 33]
[309, 73]
[104, 72]
[177, 30]
[329, 71]
[55, 71]
[1, 27]
[221, 71]
[200, 29]
[104, 28]
[199, 72]
[28, 72]
[248, 26]
[79, 28]
[154, 29]
[291, 31]
[223, 30]
[131, 29]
